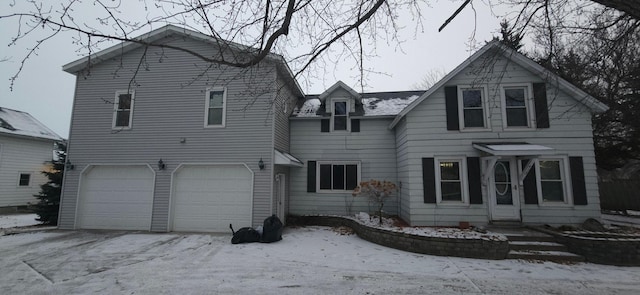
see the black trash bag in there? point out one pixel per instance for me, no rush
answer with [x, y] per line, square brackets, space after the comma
[244, 235]
[271, 230]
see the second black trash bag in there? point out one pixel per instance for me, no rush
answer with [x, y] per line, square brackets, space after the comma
[271, 230]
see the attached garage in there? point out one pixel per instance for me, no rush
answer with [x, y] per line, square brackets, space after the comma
[207, 198]
[116, 197]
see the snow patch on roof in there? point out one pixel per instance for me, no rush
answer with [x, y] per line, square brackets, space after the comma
[386, 107]
[308, 109]
[21, 123]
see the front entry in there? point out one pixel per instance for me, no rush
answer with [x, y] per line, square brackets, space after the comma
[504, 200]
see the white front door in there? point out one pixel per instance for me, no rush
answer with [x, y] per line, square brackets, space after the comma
[504, 201]
[281, 196]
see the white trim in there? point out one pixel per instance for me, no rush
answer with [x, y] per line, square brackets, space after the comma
[346, 115]
[485, 108]
[170, 215]
[463, 174]
[336, 162]
[528, 104]
[513, 149]
[224, 107]
[116, 103]
[337, 85]
[565, 175]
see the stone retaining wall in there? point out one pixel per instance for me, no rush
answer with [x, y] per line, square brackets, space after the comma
[602, 248]
[470, 247]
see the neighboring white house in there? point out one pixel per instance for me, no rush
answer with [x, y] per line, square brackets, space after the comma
[26, 147]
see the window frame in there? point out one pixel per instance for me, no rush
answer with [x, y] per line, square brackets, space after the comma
[116, 104]
[566, 182]
[346, 115]
[332, 163]
[485, 108]
[464, 183]
[207, 108]
[30, 180]
[528, 103]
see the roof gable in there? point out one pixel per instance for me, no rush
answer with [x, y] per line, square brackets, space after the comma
[525, 62]
[164, 32]
[336, 86]
[19, 123]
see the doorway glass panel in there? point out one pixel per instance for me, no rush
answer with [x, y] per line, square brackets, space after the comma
[502, 177]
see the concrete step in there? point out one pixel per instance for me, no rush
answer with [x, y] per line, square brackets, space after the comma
[536, 246]
[555, 256]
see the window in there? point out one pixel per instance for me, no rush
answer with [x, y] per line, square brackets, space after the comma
[338, 176]
[516, 106]
[340, 115]
[551, 181]
[215, 113]
[123, 109]
[473, 108]
[24, 180]
[450, 181]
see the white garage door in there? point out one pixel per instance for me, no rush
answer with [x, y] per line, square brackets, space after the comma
[116, 197]
[207, 198]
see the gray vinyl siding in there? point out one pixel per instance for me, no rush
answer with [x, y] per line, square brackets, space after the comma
[373, 146]
[169, 104]
[282, 107]
[570, 134]
[22, 155]
[402, 159]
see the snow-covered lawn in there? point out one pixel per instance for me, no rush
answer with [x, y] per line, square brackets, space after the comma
[18, 220]
[309, 260]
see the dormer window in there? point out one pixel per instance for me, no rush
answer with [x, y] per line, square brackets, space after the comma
[340, 115]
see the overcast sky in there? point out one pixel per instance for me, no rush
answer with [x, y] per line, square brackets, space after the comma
[46, 92]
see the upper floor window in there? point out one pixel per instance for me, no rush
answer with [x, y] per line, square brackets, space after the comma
[338, 176]
[215, 113]
[517, 106]
[340, 115]
[123, 109]
[24, 179]
[472, 108]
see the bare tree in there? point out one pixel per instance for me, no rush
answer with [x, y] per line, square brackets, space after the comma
[429, 79]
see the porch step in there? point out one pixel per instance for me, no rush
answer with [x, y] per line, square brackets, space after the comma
[555, 256]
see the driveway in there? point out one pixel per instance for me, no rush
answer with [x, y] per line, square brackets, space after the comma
[309, 260]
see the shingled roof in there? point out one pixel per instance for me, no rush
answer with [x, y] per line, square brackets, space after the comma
[22, 124]
[372, 104]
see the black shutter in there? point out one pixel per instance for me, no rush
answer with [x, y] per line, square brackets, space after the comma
[325, 125]
[451, 101]
[355, 125]
[475, 185]
[530, 185]
[311, 176]
[429, 180]
[577, 181]
[542, 111]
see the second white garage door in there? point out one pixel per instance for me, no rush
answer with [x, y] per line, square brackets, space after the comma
[207, 198]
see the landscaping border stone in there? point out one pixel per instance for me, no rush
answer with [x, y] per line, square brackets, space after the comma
[600, 247]
[441, 246]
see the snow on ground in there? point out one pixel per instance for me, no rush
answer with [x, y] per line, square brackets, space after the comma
[437, 232]
[16, 220]
[309, 260]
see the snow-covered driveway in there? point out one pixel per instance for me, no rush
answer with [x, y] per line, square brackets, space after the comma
[310, 260]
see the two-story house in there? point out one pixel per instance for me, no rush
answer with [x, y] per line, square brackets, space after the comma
[499, 138]
[162, 141]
